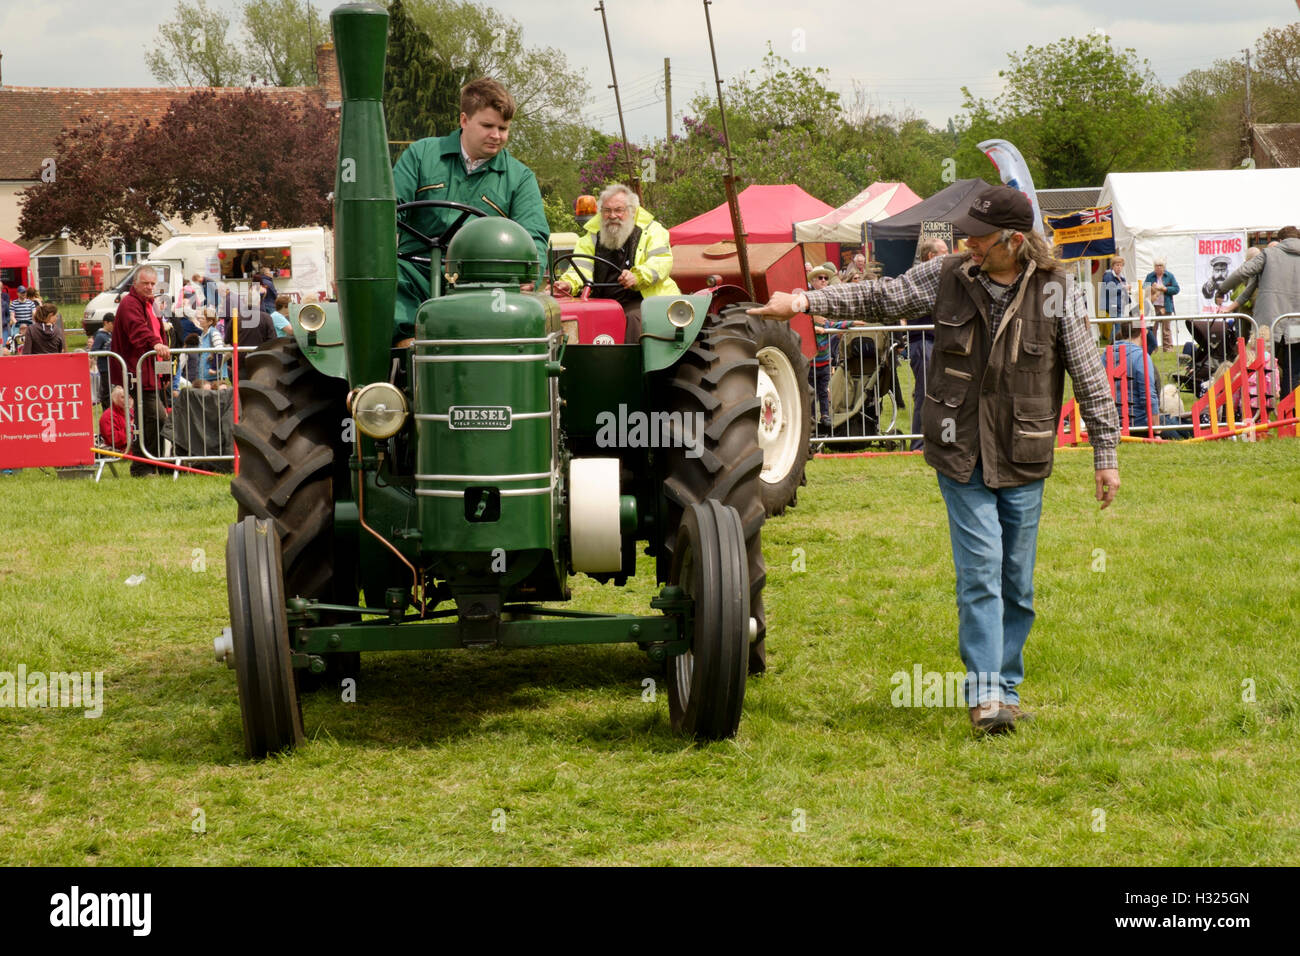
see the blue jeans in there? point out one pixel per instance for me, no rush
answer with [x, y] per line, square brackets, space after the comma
[994, 534]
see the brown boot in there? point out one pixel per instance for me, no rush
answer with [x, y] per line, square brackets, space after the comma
[992, 717]
[1020, 716]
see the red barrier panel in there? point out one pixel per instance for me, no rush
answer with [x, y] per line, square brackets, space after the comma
[45, 411]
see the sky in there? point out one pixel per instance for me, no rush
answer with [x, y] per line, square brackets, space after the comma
[917, 61]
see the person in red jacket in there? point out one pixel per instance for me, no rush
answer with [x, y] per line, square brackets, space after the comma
[137, 331]
[112, 424]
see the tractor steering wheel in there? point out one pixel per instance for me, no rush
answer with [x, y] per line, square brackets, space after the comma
[586, 282]
[433, 242]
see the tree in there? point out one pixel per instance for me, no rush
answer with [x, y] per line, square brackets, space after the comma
[774, 98]
[237, 157]
[281, 38]
[245, 157]
[1076, 109]
[786, 125]
[421, 89]
[1211, 102]
[549, 92]
[194, 49]
[276, 44]
[97, 187]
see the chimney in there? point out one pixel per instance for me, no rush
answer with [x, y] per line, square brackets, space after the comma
[327, 75]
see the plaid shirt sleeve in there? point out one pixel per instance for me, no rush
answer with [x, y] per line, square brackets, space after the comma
[908, 296]
[1091, 390]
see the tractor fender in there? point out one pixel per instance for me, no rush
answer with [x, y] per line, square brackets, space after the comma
[665, 335]
[323, 349]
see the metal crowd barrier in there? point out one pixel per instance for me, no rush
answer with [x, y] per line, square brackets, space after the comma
[871, 384]
[189, 416]
[101, 394]
[877, 377]
[202, 431]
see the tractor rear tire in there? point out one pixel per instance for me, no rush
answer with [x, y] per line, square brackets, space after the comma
[291, 457]
[717, 378]
[268, 696]
[785, 409]
[706, 685]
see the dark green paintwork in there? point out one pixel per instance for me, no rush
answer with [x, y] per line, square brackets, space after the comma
[365, 203]
[657, 354]
[598, 378]
[421, 635]
[324, 349]
[481, 372]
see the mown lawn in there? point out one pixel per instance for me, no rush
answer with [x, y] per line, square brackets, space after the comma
[1156, 618]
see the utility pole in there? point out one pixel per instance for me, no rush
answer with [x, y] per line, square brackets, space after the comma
[618, 104]
[668, 106]
[1248, 117]
[729, 180]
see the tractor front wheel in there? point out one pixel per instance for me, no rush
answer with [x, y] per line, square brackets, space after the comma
[292, 466]
[716, 384]
[706, 685]
[268, 696]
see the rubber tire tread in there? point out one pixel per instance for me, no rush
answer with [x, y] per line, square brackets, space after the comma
[718, 377]
[291, 453]
[721, 623]
[268, 695]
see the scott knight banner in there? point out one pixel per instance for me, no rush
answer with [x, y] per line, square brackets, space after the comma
[45, 411]
[1218, 255]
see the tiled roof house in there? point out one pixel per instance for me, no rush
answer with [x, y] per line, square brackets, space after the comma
[40, 114]
[1275, 145]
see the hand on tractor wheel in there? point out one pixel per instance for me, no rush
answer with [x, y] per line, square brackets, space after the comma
[782, 305]
[560, 287]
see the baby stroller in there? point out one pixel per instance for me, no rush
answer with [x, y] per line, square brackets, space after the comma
[1213, 345]
[864, 387]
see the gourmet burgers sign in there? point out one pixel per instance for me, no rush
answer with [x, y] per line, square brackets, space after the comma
[45, 411]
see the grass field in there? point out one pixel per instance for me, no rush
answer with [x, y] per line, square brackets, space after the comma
[1157, 618]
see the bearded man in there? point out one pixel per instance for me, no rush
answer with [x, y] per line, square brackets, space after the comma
[639, 257]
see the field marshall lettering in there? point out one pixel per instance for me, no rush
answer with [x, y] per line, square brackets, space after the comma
[479, 418]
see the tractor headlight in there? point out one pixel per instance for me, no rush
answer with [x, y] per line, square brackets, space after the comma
[311, 317]
[379, 410]
[681, 314]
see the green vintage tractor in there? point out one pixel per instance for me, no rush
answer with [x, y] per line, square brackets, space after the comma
[439, 494]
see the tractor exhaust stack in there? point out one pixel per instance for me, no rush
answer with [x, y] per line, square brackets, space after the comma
[365, 202]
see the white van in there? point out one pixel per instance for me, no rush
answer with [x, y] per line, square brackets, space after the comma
[301, 262]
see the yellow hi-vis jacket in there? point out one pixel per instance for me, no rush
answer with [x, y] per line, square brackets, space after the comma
[654, 257]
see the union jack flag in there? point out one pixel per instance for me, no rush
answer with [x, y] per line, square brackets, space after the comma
[1097, 240]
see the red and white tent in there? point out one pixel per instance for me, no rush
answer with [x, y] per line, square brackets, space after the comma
[769, 214]
[847, 224]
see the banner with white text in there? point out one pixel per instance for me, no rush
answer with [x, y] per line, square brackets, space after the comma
[1218, 255]
[45, 411]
